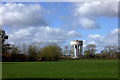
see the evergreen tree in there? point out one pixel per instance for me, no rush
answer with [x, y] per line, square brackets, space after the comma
[5, 46]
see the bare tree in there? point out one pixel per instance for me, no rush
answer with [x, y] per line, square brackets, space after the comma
[14, 50]
[111, 51]
[24, 49]
[66, 51]
[90, 50]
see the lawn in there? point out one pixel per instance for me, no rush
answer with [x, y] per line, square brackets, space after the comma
[61, 69]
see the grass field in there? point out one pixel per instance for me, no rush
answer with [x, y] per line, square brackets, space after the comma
[61, 69]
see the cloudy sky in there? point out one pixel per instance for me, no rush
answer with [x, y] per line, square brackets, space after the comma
[93, 22]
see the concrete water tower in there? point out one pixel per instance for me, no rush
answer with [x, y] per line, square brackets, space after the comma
[76, 49]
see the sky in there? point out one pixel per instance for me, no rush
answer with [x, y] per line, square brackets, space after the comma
[61, 22]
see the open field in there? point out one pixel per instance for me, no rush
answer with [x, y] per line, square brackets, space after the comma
[62, 69]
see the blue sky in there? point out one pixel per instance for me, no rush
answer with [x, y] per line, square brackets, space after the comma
[107, 24]
[63, 9]
[93, 22]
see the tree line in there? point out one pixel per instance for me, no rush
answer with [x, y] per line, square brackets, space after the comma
[28, 53]
[32, 53]
[51, 52]
[109, 52]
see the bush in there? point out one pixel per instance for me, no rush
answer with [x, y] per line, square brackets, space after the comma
[13, 58]
[6, 58]
[18, 57]
[50, 53]
[32, 53]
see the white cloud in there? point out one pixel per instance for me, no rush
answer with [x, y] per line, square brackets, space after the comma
[0, 16]
[55, 34]
[115, 31]
[21, 33]
[87, 23]
[41, 34]
[58, 0]
[88, 13]
[110, 39]
[23, 14]
[86, 42]
[26, 23]
[95, 36]
[107, 9]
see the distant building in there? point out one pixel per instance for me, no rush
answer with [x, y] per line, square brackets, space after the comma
[76, 49]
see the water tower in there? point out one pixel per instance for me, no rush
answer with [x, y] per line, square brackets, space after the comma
[76, 49]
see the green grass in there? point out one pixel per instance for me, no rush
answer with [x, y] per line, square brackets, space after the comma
[0, 70]
[62, 69]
